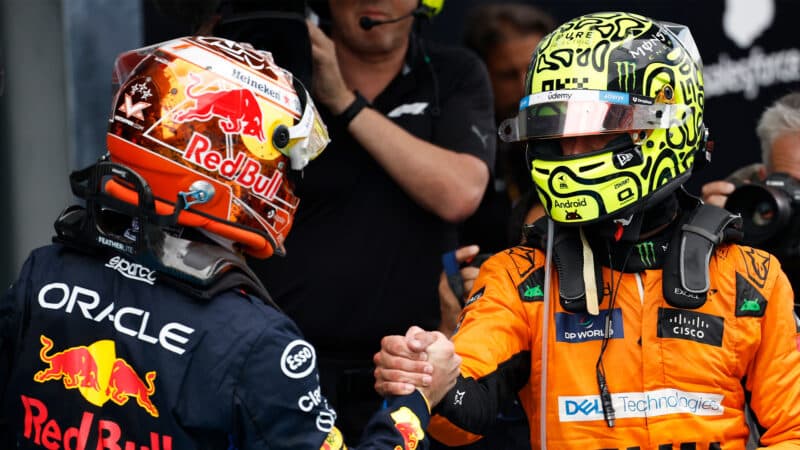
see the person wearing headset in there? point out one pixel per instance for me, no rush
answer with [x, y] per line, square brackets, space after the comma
[142, 327]
[630, 319]
[412, 131]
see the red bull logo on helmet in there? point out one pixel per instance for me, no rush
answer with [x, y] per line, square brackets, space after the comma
[98, 374]
[243, 169]
[237, 110]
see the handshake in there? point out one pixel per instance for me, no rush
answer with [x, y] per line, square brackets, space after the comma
[424, 360]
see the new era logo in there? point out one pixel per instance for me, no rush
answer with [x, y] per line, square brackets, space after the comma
[623, 158]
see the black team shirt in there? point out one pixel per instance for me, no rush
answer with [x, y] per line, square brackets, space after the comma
[363, 259]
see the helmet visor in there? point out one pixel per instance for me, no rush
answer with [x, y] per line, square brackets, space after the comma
[581, 112]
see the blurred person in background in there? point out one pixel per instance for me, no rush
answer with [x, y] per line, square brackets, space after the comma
[504, 35]
[767, 194]
[412, 135]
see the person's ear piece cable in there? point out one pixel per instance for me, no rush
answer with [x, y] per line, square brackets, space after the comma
[600, 371]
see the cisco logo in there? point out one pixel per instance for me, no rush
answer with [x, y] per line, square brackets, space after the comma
[690, 326]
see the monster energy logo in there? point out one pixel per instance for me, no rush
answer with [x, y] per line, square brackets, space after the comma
[626, 71]
[647, 253]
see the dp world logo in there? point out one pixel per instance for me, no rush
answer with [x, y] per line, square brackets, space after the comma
[575, 328]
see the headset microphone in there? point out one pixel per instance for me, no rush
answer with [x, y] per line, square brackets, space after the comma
[367, 23]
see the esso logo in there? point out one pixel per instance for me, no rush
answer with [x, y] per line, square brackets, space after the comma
[298, 359]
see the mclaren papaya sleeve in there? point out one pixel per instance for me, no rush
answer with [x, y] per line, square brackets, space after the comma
[773, 378]
[493, 340]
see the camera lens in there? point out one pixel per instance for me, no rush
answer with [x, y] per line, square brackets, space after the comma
[763, 214]
[765, 211]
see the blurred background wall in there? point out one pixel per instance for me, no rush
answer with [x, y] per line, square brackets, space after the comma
[58, 55]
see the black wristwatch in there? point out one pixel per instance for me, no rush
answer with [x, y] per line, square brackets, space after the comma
[349, 113]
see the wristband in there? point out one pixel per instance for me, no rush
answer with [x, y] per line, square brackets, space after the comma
[352, 110]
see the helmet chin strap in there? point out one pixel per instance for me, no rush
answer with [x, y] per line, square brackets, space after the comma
[642, 220]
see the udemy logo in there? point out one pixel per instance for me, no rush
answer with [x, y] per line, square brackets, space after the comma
[577, 328]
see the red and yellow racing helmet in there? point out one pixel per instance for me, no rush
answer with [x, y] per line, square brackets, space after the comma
[214, 127]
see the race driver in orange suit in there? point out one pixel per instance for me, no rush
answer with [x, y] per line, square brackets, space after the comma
[630, 319]
[141, 327]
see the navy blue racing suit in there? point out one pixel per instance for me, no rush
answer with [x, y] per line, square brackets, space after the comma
[99, 353]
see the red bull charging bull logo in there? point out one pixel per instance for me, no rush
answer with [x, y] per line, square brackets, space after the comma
[409, 426]
[237, 110]
[97, 374]
[334, 441]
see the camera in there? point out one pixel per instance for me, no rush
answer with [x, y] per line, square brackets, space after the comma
[769, 211]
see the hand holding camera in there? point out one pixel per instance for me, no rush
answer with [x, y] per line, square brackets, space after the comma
[769, 211]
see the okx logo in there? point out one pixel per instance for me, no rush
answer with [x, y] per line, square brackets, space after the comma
[647, 253]
[626, 75]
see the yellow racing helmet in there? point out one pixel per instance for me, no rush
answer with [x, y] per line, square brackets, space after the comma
[611, 73]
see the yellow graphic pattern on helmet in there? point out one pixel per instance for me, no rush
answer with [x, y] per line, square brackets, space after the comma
[626, 54]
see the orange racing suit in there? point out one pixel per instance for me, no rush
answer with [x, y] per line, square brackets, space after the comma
[678, 378]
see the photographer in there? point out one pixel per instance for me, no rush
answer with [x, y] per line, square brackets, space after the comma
[763, 192]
